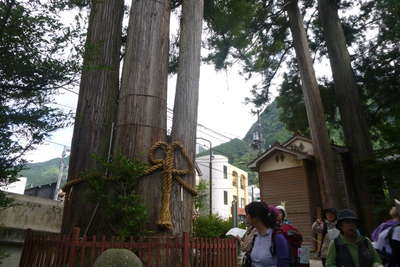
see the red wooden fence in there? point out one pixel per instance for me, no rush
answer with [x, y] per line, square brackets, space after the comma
[56, 250]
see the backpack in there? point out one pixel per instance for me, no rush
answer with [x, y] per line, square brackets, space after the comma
[294, 238]
[385, 256]
[247, 262]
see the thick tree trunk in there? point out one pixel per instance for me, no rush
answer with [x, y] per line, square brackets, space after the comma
[355, 128]
[315, 112]
[142, 110]
[96, 105]
[184, 123]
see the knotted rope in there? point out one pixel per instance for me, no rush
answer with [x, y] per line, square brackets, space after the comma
[169, 174]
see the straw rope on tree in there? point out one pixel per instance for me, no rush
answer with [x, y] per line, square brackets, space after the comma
[169, 174]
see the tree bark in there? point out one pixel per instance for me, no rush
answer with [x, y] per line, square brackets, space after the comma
[315, 112]
[355, 127]
[142, 110]
[184, 123]
[96, 108]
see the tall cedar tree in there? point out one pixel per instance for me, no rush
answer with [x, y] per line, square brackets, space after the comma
[356, 28]
[184, 123]
[325, 159]
[96, 111]
[142, 109]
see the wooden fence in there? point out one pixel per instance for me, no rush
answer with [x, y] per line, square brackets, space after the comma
[56, 250]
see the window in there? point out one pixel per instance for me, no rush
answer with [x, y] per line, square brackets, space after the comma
[234, 179]
[242, 181]
[226, 197]
[225, 172]
[242, 203]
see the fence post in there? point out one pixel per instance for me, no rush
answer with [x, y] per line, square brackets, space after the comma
[74, 245]
[26, 251]
[186, 250]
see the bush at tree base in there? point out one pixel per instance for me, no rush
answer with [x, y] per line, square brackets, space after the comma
[211, 226]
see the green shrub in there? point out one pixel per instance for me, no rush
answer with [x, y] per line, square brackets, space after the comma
[117, 196]
[211, 226]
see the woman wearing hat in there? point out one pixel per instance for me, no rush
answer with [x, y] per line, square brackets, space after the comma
[323, 226]
[351, 249]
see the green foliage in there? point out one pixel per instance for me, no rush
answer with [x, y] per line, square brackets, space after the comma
[294, 115]
[211, 226]
[252, 31]
[38, 56]
[116, 194]
[201, 197]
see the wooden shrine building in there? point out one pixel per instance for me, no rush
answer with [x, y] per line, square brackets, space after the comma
[287, 173]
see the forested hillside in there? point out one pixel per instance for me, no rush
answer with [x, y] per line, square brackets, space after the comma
[42, 173]
[240, 152]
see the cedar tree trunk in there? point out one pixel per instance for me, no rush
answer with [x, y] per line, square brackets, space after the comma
[355, 127]
[185, 108]
[323, 152]
[142, 109]
[96, 108]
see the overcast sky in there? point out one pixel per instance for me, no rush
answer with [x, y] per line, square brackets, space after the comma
[221, 106]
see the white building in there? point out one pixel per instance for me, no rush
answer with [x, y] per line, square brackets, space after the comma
[17, 187]
[253, 193]
[229, 183]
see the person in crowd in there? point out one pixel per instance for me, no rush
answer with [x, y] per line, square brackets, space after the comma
[395, 214]
[269, 247]
[322, 226]
[388, 241]
[350, 249]
[281, 217]
[292, 234]
[247, 239]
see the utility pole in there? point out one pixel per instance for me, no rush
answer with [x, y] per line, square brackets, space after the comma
[60, 172]
[257, 136]
[210, 171]
[260, 145]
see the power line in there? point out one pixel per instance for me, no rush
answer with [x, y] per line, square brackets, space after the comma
[69, 90]
[207, 148]
[169, 110]
[210, 135]
[63, 106]
[205, 127]
[55, 143]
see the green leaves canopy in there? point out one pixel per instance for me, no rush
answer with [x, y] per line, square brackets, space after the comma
[38, 57]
